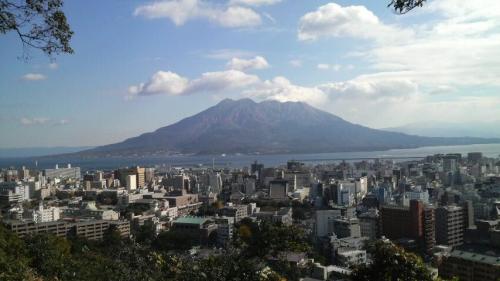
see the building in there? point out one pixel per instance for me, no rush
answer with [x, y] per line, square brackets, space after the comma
[469, 264]
[63, 173]
[450, 225]
[346, 192]
[138, 172]
[131, 182]
[474, 157]
[323, 220]
[200, 228]
[369, 224]
[9, 197]
[346, 227]
[278, 189]
[418, 194]
[89, 210]
[238, 212]
[185, 203]
[24, 228]
[13, 192]
[92, 229]
[225, 227]
[95, 229]
[350, 257]
[44, 214]
[413, 222]
[283, 216]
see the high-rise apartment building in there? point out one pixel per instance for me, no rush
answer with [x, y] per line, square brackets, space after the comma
[450, 225]
[415, 222]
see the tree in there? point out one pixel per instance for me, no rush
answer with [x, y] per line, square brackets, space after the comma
[39, 24]
[391, 263]
[260, 240]
[404, 6]
[13, 260]
[50, 255]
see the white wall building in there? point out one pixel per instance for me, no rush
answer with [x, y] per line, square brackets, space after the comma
[131, 182]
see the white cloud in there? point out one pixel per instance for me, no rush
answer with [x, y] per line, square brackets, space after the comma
[169, 83]
[255, 3]
[34, 77]
[333, 20]
[181, 11]
[373, 100]
[371, 89]
[257, 62]
[454, 53]
[221, 81]
[459, 48]
[162, 82]
[34, 121]
[281, 89]
[53, 66]
[325, 66]
[295, 63]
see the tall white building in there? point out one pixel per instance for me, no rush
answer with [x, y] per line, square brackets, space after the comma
[131, 182]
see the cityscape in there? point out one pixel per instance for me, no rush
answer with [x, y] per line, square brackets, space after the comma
[249, 140]
[293, 221]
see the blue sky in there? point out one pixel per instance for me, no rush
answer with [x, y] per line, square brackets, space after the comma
[140, 65]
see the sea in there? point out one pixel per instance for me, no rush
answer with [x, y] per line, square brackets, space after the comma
[243, 160]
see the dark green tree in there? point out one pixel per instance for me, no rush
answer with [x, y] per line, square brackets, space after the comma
[39, 24]
[49, 256]
[392, 263]
[13, 259]
[404, 6]
[260, 240]
[175, 240]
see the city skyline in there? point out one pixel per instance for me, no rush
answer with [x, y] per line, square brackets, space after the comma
[140, 65]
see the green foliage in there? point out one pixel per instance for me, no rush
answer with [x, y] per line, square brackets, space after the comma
[145, 234]
[175, 240]
[259, 240]
[118, 259]
[221, 268]
[39, 24]
[13, 260]
[404, 6]
[49, 255]
[391, 263]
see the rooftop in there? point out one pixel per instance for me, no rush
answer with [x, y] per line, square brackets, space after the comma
[477, 254]
[191, 220]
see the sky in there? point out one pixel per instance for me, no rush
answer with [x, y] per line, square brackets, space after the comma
[141, 65]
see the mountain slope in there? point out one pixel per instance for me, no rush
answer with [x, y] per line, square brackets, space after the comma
[244, 126]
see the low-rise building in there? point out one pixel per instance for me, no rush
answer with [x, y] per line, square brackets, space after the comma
[469, 264]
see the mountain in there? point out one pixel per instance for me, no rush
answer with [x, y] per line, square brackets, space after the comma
[244, 126]
[38, 151]
[485, 129]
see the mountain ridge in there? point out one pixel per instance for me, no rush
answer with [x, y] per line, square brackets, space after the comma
[267, 127]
